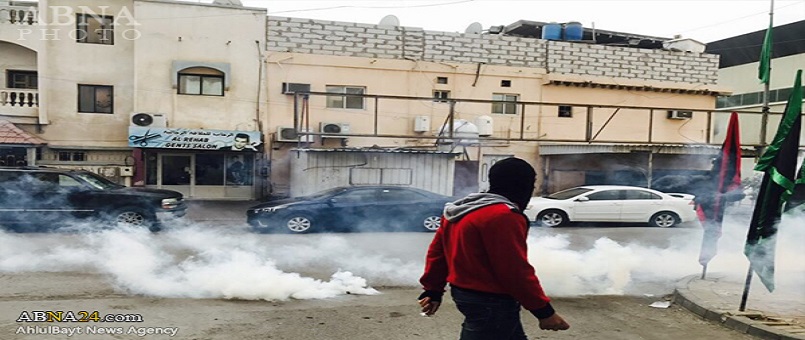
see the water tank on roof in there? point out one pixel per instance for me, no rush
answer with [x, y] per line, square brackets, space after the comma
[574, 31]
[552, 31]
[484, 124]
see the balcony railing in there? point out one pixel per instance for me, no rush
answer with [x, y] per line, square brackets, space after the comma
[19, 15]
[19, 98]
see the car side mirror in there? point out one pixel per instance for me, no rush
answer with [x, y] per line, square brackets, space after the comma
[583, 199]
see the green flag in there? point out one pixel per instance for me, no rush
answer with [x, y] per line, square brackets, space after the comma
[780, 178]
[764, 67]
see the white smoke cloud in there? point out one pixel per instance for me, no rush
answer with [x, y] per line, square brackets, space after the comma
[202, 261]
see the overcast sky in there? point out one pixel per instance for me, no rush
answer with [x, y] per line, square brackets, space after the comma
[703, 20]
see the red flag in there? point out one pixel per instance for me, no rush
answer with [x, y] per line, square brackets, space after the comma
[725, 187]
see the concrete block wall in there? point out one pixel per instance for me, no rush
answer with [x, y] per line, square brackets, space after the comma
[325, 37]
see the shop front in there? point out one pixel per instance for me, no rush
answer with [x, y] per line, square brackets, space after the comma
[201, 164]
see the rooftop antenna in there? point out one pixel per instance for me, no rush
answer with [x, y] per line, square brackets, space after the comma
[389, 21]
[474, 28]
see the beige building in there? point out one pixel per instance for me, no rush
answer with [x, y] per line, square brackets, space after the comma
[621, 109]
[223, 102]
[151, 93]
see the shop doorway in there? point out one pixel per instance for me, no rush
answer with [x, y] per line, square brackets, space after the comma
[203, 175]
[175, 172]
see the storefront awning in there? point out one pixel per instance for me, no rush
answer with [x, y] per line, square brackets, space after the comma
[678, 149]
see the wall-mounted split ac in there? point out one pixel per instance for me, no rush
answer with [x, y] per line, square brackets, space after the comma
[678, 114]
[289, 134]
[332, 130]
[148, 120]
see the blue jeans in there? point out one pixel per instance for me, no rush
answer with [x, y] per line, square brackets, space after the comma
[488, 316]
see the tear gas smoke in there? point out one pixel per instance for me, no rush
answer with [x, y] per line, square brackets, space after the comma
[201, 261]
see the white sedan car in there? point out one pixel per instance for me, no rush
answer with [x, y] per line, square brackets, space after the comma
[611, 203]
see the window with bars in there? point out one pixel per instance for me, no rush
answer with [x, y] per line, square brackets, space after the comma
[501, 107]
[441, 96]
[345, 101]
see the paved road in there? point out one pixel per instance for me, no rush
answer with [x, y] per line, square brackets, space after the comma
[215, 280]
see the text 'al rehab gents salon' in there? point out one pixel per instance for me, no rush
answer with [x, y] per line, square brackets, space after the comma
[196, 162]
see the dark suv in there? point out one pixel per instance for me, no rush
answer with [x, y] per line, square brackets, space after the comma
[44, 198]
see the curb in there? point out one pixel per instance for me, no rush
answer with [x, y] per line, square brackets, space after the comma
[747, 323]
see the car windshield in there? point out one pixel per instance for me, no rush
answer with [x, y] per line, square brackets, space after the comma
[569, 193]
[97, 181]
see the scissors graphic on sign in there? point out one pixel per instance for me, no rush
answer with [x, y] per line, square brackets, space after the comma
[143, 140]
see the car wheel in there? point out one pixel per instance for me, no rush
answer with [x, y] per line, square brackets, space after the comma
[432, 222]
[552, 218]
[134, 217]
[664, 219]
[298, 223]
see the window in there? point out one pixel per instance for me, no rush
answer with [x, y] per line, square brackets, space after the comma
[441, 80]
[201, 81]
[441, 96]
[641, 195]
[565, 111]
[21, 79]
[399, 195]
[606, 195]
[505, 83]
[95, 29]
[345, 102]
[357, 196]
[504, 108]
[72, 156]
[95, 98]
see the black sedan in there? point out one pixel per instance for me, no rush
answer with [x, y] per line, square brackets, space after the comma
[356, 208]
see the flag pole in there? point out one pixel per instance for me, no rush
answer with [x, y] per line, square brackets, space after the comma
[746, 289]
[764, 122]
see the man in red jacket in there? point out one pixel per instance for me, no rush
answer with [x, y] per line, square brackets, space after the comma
[480, 249]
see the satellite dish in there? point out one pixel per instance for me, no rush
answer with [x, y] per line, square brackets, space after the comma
[142, 119]
[474, 28]
[389, 20]
[228, 3]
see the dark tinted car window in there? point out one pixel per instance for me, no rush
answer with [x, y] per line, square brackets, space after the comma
[359, 195]
[399, 195]
[641, 195]
[606, 195]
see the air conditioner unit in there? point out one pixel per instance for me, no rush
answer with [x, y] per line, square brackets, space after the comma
[333, 129]
[149, 120]
[422, 124]
[289, 134]
[292, 88]
[677, 114]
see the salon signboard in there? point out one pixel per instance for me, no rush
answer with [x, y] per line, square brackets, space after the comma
[194, 139]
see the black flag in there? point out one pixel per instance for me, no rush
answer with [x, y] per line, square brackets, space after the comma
[780, 178]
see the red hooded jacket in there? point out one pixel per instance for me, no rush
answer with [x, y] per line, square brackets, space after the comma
[481, 245]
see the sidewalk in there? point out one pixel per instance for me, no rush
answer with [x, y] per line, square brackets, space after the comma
[778, 316]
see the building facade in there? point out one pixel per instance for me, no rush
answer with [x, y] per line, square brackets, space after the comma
[150, 93]
[582, 112]
[224, 102]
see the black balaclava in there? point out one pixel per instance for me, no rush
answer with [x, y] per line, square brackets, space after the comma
[512, 178]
